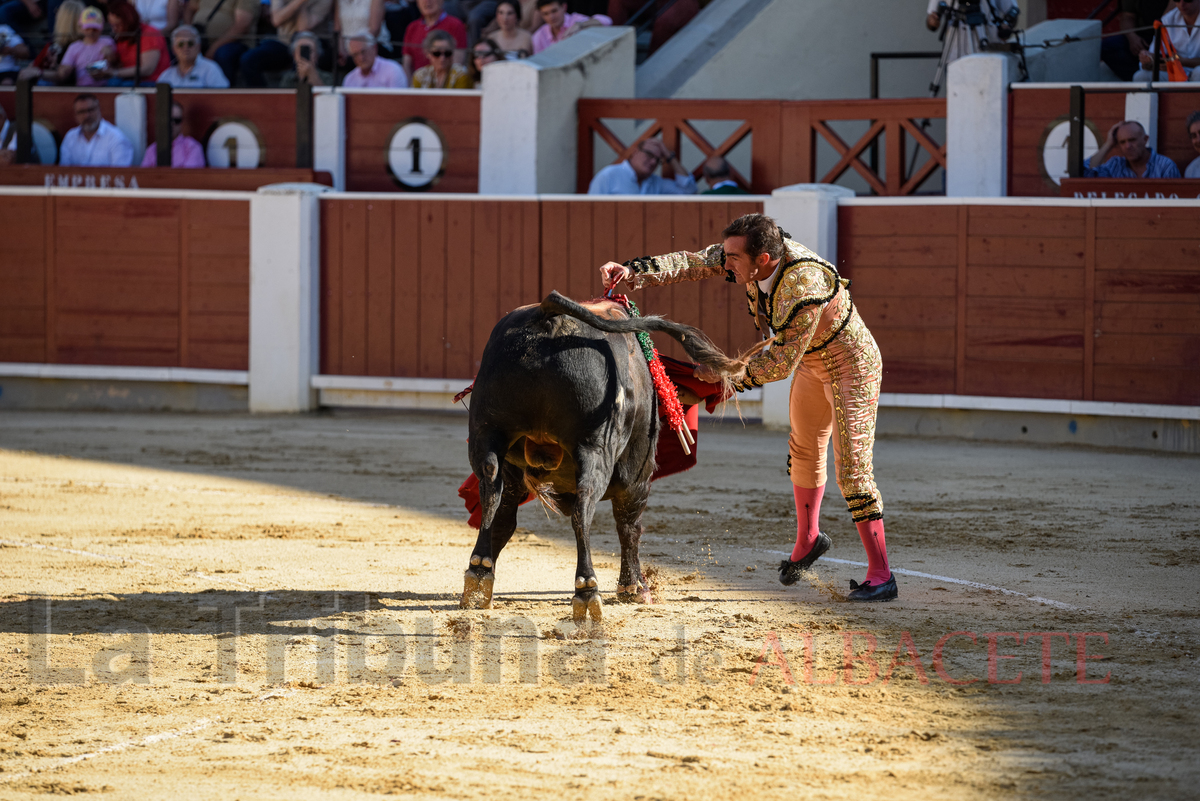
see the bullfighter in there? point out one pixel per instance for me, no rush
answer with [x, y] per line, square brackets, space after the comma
[817, 337]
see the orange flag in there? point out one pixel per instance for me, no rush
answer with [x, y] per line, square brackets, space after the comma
[1175, 70]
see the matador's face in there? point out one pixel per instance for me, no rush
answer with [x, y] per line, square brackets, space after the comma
[745, 268]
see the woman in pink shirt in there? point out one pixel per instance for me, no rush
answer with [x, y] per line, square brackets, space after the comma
[89, 50]
[560, 24]
[185, 151]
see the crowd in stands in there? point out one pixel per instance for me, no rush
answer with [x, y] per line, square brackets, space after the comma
[1130, 53]
[213, 44]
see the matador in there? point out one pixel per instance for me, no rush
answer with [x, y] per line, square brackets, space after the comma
[816, 336]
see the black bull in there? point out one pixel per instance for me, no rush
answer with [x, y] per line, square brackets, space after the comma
[563, 405]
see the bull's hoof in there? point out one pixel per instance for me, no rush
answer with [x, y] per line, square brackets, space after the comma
[587, 606]
[477, 590]
[634, 594]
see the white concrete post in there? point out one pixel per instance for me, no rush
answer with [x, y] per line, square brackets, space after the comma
[130, 116]
[1143, 107]
[528, 139]
[329, 136]
[977, 126]
[284, 293]
[809, 213]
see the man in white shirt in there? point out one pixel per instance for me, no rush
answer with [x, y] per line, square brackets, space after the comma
[635, 176]
[1182, 24]
[96, 142]
[192, 70]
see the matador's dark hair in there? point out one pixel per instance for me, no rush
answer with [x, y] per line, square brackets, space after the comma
[763, 235]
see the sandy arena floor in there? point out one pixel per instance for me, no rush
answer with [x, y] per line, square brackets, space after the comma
[266, 607]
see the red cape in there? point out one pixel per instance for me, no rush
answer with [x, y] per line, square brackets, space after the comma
[669, 457]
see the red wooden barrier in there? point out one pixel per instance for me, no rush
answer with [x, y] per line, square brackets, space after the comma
[413, 287]
[1115, 188]
[125, 281]
[154, 177]
[1042, 302]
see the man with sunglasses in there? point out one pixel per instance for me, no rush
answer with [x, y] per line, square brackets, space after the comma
[635, 175]
[185, 151]
[192, 70]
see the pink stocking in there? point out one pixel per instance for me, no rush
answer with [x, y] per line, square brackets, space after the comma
[871, 534]
[808, 518]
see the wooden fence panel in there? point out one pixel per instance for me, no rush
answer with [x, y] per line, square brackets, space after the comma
[215, 284]
[23, 266]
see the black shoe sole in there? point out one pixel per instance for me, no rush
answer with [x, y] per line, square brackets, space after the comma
[789, 571]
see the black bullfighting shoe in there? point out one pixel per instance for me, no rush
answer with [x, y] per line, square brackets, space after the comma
[867, 592]
[789, 571]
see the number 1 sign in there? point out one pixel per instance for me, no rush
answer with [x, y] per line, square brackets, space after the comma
[416, 154]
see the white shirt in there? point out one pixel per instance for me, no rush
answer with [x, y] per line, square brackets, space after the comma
[154, 13]
[620, 179]
[963, 43]
[1187, 43]
[8, 63]
[205, 74]
[107, 148]
[384, 74]
[12, 144]
[1193, 169]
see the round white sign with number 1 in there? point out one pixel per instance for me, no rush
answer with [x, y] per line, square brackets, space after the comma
[234, 144]
[416, 154]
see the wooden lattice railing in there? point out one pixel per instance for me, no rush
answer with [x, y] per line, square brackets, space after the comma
[785, 136]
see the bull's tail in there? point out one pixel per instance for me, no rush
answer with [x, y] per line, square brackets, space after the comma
[699, 347]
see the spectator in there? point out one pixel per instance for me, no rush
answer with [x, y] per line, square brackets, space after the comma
[44, 68]
[1122, 52]
[433, 17]
[483, 53]
[1136, 160]
[1181, 26]
[672, 16]
[560, 24]
[963, 42]
[373, 72]
[126, 67]
[22, 13]
[163, 15]
[1193, 127]
[306, 53]
[12, 47]
[480, 14]
[513, 40]
[185, 151]
[192, 70]
[95, 142]
[91, 49]
[227, 30]
[354, 16]
[441, 72]
[720, 178]
[635, 176]
[289, 18]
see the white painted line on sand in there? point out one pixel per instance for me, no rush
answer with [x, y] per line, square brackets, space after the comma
[963, 582]
[108, 749]
[110, 557]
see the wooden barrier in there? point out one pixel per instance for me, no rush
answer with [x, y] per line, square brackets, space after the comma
[1035, 111]
[1060, 302]
[413, 287]
[154, 177]
[1124, 188]
[785, 135]
[125, 280]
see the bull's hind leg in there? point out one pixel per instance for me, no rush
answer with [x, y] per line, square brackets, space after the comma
[480, 576]
[590, 481]
[627, 510]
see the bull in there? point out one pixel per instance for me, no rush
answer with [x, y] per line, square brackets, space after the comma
[564, 407]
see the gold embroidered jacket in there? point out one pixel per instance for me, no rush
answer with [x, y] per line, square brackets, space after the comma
[803, 286]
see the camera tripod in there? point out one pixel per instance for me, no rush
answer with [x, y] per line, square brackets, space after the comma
[962, 21]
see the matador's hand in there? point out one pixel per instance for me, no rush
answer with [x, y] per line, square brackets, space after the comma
[612, 274]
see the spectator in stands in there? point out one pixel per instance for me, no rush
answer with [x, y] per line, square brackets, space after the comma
[91, 49]
[356, 16]
[635, 176]
[1181, 26]
[1193, 127]
[306, 53]
[441, 72]
[22, 13]
[186, 152]
[227, 30]
[560, 24]
[95, 142]
[125, 67]
[1135, 159]
[12, 47]
[506, 31]
[162, 15]
[1122, 52]
[672, 15]
[372, 71]
[963, 43]
[433, 17]
[720, 178]
[192, 70]
[483, 53]
[480, 14]
[44, 68]
[289, 17]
